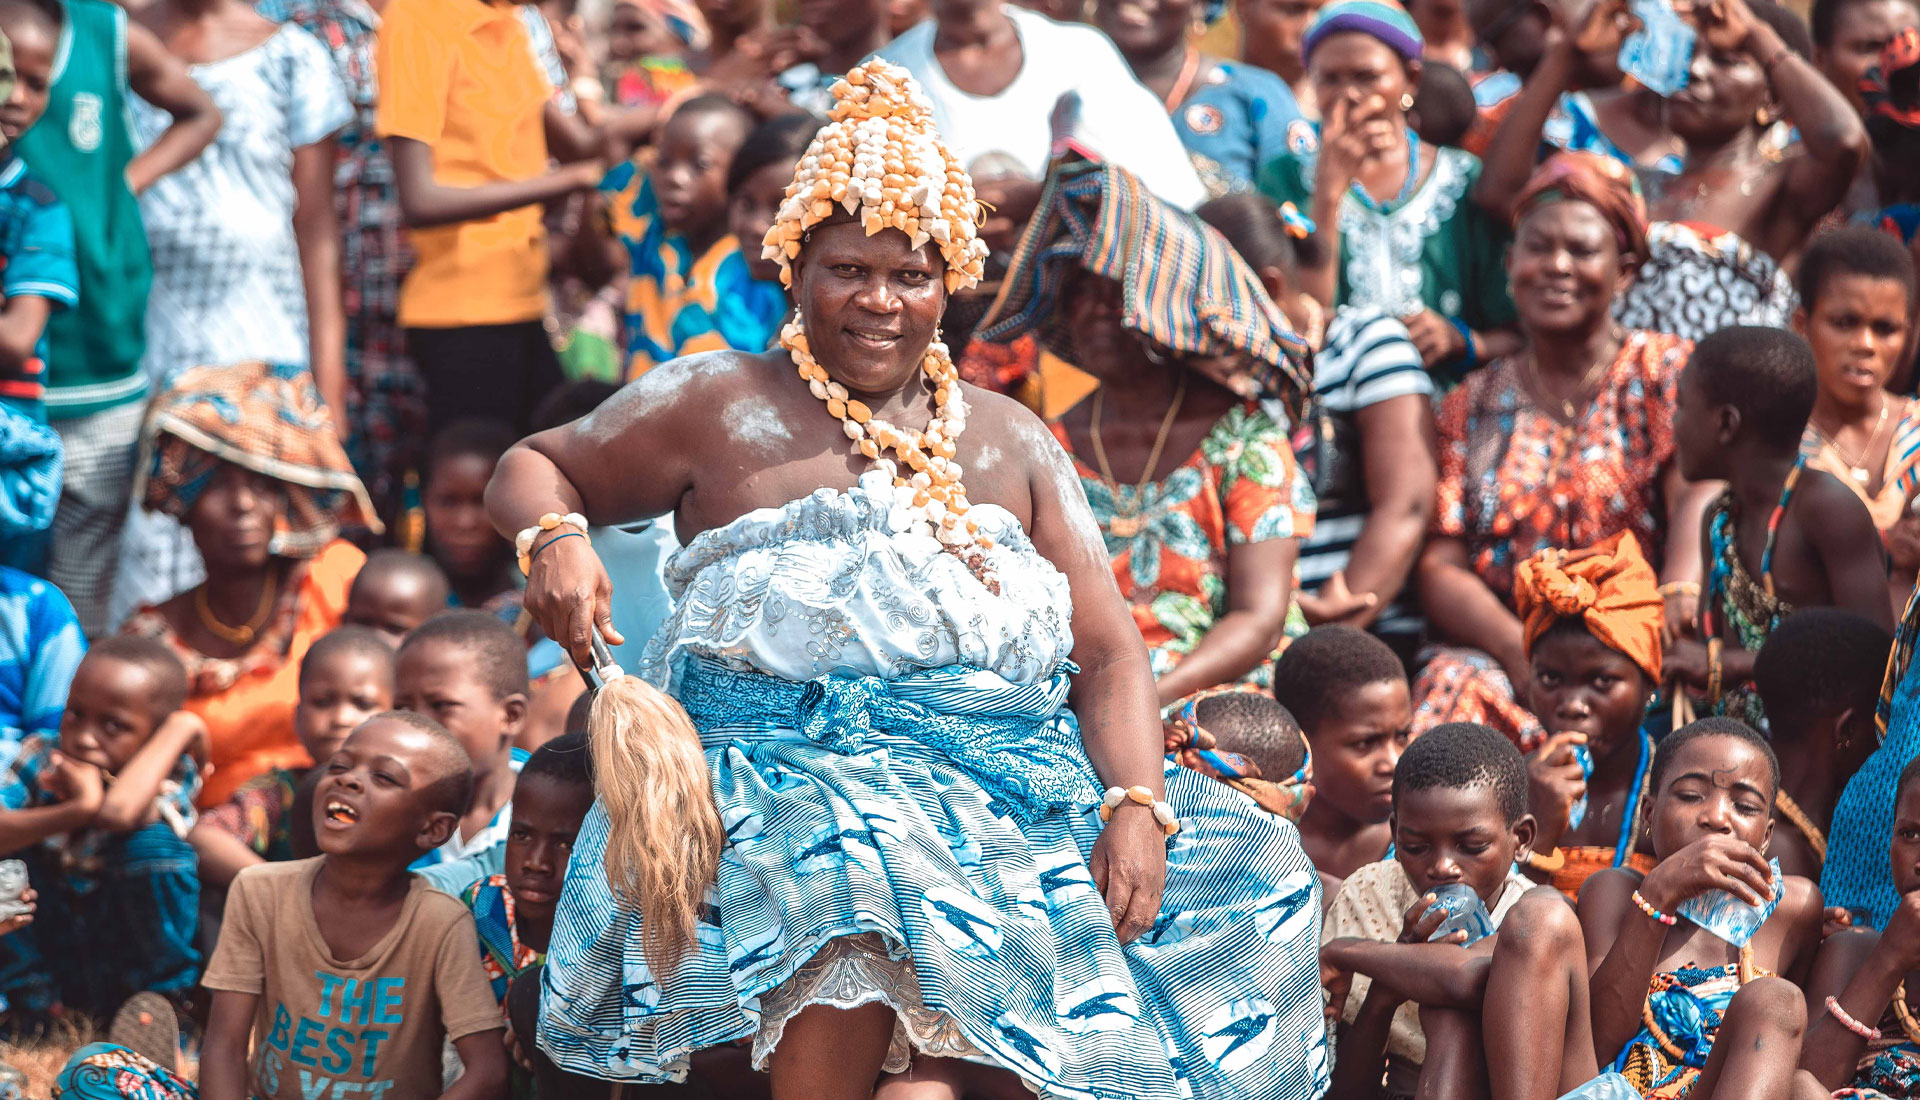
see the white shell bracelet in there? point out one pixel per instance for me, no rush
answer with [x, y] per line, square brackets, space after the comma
[1162, 813]
[523, 542]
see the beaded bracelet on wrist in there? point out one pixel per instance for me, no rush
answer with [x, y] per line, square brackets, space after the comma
[1648, 908]
[1162, 813]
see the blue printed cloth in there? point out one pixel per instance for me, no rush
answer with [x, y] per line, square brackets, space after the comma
[912, 819]
[1237, 118]
[1856, 876]
[40, 649]
[36, 260]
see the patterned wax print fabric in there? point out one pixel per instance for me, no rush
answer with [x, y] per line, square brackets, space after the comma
[1240, 486]
[226, 268]
[1698, 280]
[1889, 1067]
[909, 813]
[679, 303]
[1184, 285]
[1899, 478]
[1237, 118]
[40, 649]
[386, 401]
[501, 952]
[103, 1071]
[1516, 480]
[1435, 250]
[36, 261]
[260, 815]
[1678, 1025]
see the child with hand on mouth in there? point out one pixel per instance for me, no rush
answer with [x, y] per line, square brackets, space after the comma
[100, 817]
[344, 974]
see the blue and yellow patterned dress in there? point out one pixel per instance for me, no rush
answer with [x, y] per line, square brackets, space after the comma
[909, 814]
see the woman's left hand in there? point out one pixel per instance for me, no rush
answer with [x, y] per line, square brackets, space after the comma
[1686, 663]
[1129, 868]
[1436, 337]
[1682, 616]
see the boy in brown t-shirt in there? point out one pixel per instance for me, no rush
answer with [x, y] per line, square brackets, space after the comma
[346, 971]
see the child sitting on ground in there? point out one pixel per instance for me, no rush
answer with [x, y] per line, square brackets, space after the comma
[395, 592]
[1349, 693]
[1460, 817]
[467, 671]
[1782, 536]
[1863, 1032]
[667, 226]
[345, 679]
[513, 911]
[1247, 741]
[100, 817]
[1819, 677]
[342, 973]
[1592, 624]
[1667, 991]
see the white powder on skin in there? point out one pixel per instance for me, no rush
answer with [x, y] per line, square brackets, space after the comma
[755, 423]
[988, 457]
[652, 394]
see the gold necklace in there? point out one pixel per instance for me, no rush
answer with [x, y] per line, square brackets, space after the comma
[1569, 406]
[244, 634]
[1858, 471]
[1127, 521]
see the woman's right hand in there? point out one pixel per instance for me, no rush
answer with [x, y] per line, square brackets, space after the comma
[1717, 862]
[570, 595]
[1350, 134]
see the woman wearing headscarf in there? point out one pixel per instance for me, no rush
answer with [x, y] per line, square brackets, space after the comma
[1397, 228]
[1231, 116]
[1564, 444]
[245, 457]
[1730, 223]
[1193, 484]
[1593, 625]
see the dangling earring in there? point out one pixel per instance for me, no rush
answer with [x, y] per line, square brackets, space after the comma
[1406, 101]
[1763, 118]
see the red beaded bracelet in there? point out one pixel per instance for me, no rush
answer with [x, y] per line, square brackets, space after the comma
[1870, 1034]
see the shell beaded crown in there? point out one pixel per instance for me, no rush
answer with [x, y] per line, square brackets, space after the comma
[881, 160]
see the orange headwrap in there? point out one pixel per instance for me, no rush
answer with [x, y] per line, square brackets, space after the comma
[1609, 586]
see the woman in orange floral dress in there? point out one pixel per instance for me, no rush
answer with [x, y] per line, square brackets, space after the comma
[1194, 485]
[1564, 444]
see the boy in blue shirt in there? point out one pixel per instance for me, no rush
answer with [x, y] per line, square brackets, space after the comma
[37, 276]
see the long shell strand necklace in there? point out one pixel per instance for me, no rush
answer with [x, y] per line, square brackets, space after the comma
[926, 479]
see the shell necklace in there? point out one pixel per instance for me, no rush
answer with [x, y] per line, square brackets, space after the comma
[929, 489]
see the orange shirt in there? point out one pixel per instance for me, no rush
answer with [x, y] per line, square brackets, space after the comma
[460, 77]
[251, 723]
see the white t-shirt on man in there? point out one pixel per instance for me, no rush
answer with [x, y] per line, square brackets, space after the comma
[1120, 121]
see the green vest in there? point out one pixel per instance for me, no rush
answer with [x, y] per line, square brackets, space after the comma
[80, 149]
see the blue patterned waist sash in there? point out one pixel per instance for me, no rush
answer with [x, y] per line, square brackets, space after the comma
[1017, 740]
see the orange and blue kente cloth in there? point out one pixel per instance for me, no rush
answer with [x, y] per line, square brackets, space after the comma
[679, 303]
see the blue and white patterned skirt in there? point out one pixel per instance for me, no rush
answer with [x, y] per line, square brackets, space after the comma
[923, 842]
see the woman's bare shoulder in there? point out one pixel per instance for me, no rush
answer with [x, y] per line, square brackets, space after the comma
[689, 385]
